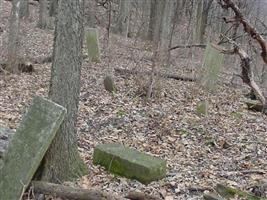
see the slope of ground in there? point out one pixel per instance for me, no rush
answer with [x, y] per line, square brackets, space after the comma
[225, 146]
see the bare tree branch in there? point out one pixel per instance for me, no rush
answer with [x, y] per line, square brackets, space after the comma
[248, 28]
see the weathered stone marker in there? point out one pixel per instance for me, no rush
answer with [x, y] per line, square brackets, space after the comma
[212, 64]
[202, 108]
[93, 45]
[28, 146]
[109, 84]
[129, 163]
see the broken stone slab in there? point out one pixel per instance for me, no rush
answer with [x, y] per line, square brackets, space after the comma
[93, 45]
[129, 163]
[28, 146]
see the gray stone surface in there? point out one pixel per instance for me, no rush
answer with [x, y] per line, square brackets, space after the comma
[93, 45]
[211, 67]
[129, 163]
[28, 146]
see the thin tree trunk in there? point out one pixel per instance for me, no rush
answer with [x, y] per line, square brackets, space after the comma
[62, 161]
[13, 39]
[122, 26]
[43, 14]
[24, 9]
[53, 8]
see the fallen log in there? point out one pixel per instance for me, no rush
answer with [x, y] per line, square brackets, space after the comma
[188, 46]
[71, 192]
[171, 76]
[140, 196]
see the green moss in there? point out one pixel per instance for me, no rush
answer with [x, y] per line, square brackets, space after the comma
[129, 163]
[202, 108]
[93, 45]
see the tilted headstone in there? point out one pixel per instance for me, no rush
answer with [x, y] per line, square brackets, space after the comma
[93, 45]
[211, 66]
[28, 146]
[129, 163]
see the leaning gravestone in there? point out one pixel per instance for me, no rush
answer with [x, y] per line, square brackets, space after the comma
[93, 45]
[129, 163]
[211, 66]
[28, 146]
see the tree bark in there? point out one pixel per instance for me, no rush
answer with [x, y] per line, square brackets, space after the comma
[122, 26]
[71, 192]
[62, 161]
[43, 14]
[13, 38]
[53, 8]
[24, 9]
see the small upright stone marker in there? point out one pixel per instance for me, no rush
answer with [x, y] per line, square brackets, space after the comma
[28, 146]
[129, 163]
[93, 45]
[202, 108]
[212, 64]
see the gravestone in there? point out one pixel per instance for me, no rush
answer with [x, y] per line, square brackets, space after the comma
[129, 163]
[211, 66]
[109, 84]
[93, 45]
[202, 108]
[28, 146]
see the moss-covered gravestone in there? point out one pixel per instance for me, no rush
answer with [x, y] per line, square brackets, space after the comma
[211, 66]
[202, 108]
[93, 45]
[129, 163]
[28, 146]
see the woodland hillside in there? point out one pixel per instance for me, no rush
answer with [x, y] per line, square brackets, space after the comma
[149, 110]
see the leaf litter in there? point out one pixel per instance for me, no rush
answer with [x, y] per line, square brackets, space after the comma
[227, 146]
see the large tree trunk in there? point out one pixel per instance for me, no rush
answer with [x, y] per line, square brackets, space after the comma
[13, 39]
[62, 161]
[43, 14]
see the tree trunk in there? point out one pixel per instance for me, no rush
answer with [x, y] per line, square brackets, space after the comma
[197, 35]
[123, 19]
[62, 161]
[53, 8]
[43, 14]
[152, 19]
[13, 39]
[205, 15]
[24, 9]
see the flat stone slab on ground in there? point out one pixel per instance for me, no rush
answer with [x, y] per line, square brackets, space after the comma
[28, 146]
[129, 163]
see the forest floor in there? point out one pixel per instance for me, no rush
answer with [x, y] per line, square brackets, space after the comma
[228, 146]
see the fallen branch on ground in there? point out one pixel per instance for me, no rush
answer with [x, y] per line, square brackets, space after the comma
[188, 46]
[172, 76]
[140, 196]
